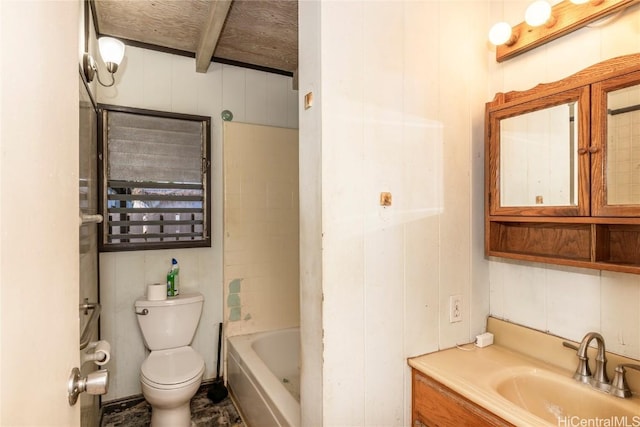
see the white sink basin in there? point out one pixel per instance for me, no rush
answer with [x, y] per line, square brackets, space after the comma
[556, 398]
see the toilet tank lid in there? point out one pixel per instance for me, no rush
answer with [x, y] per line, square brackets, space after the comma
[187, 298]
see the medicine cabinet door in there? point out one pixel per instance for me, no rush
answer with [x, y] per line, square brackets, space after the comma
[616, 146]
[538, 156]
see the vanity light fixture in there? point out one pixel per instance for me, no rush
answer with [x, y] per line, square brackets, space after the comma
[112, 52]
[593, 2]
[544, 23]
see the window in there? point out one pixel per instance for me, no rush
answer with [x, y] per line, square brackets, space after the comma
[155, 179]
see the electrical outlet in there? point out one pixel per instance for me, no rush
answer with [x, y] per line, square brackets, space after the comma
[455, 308]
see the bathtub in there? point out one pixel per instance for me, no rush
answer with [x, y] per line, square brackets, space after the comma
[263, 377]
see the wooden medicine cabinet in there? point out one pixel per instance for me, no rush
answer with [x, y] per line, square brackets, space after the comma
[562, 170]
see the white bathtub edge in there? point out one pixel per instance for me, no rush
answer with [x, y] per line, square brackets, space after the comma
[279, 402]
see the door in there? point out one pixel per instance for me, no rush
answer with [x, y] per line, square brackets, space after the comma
[39, 215]
[88, 246]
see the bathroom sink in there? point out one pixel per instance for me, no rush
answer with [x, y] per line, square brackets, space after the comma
[558, 399]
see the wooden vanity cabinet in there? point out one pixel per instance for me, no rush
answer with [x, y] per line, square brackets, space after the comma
[569, 205]
[434, 404]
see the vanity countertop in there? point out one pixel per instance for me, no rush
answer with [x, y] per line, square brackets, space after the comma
[475, 373]
[470, 371]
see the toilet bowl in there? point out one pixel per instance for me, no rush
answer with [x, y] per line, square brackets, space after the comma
[172, 373]
[169, 379]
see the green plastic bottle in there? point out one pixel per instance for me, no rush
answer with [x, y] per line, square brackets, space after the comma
[173, 279]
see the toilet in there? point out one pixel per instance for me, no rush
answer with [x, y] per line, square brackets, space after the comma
[172, 373]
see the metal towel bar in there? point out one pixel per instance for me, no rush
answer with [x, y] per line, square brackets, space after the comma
[85, 336]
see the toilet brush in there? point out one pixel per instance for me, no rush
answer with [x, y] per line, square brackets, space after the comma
[217, 391]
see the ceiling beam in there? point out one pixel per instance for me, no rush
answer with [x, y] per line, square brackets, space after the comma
[210, 33]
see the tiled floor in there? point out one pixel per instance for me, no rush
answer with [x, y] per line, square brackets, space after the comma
[203, 413]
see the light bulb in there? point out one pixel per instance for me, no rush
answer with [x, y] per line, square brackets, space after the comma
[537, 13]
[112, 52]
[500, 33]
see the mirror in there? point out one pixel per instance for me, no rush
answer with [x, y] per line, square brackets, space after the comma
[623, 146]
[538, 157]
[562, 170]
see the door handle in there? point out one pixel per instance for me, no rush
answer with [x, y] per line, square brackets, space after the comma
[97, 382]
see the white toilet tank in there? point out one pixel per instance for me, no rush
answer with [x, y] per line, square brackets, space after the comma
[169, 323]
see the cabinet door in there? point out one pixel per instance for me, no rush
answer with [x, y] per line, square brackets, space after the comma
[615, 148]
[434, 404]
[538, 155]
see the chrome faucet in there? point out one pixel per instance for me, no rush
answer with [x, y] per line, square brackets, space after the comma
[619, 386]
[599, 379]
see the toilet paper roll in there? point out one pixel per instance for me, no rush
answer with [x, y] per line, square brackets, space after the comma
[102, 353]
[98, 352]
[156, 292]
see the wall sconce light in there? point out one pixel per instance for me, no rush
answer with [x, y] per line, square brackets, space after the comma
[544, 23]
[112, 52]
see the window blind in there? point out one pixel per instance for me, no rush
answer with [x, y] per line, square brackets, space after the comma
[155, 169]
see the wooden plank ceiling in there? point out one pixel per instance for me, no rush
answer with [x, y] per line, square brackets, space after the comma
[260, 34]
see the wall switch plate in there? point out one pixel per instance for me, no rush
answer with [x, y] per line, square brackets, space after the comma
[455, 308]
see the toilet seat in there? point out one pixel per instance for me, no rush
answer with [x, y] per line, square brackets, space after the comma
[166, 369]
